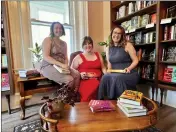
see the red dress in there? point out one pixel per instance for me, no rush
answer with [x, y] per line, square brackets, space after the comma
[88, 88]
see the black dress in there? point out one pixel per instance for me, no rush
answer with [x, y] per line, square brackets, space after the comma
[112, 85]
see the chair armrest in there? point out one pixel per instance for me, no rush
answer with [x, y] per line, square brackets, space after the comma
[53, 121]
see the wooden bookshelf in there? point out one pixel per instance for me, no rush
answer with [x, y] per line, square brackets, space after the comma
[160, 8]
[164, 44]
[6, 70]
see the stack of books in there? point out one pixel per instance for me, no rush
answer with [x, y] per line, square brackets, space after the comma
[130, 103]
[101, 105]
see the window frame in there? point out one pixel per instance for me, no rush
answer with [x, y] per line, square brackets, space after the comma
[66, 26]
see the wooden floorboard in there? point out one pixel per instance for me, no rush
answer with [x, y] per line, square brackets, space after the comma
[166, 118]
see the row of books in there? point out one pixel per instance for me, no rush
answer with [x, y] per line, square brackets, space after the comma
[147, 71]
[171, 12]
[140, 38]
[169, 54]
[132, 7]
[139, 21]
[170, 32]
[4, 60]
[147, 54]
[170, 74]
[5, 82]
[130, 102]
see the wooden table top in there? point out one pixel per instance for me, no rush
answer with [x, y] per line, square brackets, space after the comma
[80, 119]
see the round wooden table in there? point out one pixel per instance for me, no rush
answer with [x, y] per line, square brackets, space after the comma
[80, 119]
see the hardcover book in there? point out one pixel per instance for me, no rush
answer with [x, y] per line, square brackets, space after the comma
[132, 110]
[131, 114]
[5, 81]
[101, 105]
[131, 97]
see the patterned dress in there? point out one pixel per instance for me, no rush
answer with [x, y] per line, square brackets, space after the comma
[113, 84]
[58, 52]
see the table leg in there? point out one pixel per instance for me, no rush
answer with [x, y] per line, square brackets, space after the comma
[153, 91]
[8, 103]
[22, 105]
[161, 102]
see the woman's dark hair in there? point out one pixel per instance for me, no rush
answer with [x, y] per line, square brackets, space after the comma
[123, 40]
[52, 29]
[87, 39]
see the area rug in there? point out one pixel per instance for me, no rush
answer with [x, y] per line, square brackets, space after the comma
[34, 126]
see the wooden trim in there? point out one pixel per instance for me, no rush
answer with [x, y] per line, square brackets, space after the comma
[8, 43]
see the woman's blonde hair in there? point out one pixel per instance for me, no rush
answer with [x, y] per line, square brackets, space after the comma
[123, 40]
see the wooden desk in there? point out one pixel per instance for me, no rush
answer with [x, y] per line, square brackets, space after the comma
[81, 119]
[29, 87]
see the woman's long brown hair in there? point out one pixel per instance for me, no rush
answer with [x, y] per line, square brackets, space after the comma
[123, 40]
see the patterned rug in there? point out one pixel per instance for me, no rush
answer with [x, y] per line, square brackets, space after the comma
[34, 126]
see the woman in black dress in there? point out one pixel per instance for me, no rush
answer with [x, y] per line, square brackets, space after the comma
[120, 55]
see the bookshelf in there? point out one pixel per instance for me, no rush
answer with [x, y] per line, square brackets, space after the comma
[144, 23]
[6, 67]
[166, 46]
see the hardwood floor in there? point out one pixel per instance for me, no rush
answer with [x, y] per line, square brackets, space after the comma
[166, 116]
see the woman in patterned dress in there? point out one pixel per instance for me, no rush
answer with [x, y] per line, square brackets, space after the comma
[55, 53]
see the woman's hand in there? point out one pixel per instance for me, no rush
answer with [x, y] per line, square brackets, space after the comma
[84, 75]
[127, 70]
[64, 66]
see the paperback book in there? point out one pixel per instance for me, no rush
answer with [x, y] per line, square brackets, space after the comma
[61, 70]
[101, 105]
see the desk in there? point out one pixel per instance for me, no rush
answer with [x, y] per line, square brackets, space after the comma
[81, 119]
[29, 87]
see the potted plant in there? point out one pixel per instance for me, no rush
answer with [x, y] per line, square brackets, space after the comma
[106, 43]
[37, 53]
[64, 95]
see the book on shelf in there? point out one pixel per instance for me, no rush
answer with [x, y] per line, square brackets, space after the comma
[153, 18]
[169, 54]
[170, 74]
[4, 60]
[169, 32]
[131, 114]
[148, 71]
[5, 82]
[131, 97]
[101, 105]
[61, 70]
[171, 12]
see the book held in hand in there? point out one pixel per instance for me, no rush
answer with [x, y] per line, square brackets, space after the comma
[61, 70]
[101, 105]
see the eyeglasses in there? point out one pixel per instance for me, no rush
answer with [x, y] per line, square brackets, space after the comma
[116, 33]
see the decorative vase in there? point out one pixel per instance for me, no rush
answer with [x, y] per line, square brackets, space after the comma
[55, 108]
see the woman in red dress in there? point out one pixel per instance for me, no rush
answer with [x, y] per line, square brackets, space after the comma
[90, 65]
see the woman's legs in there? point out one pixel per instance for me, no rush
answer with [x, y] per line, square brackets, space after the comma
[51, 73]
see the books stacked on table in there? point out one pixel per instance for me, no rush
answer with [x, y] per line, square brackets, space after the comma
[101, 105]
[130, 102]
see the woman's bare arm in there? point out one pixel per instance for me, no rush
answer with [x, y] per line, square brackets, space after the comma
[46, 47]
[75, 62]
[132, 52]
[107, 58]
[102, 64]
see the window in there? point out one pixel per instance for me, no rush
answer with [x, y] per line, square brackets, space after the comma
[43, 13]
